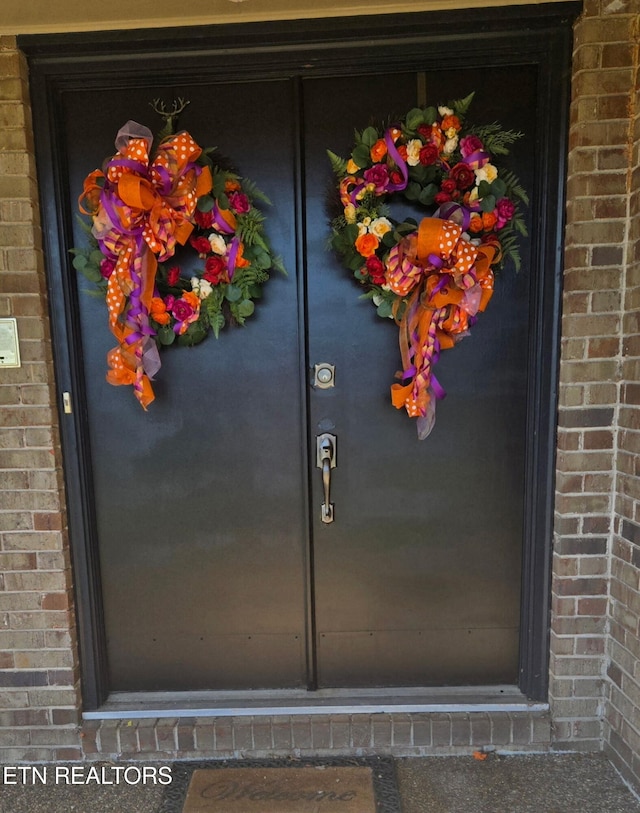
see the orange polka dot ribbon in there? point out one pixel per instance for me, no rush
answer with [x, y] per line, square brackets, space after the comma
[142, 209]
[442, 280]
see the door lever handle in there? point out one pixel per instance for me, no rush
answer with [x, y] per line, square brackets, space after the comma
[326, 460]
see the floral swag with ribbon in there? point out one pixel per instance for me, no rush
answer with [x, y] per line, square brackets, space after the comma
[434, 277]
[143, 207]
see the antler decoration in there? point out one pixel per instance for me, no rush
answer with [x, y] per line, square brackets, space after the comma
[172, 114]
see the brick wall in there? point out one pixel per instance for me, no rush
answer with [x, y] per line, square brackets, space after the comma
[39, 677]
[595, 602]
[594, 639]
[622, 713]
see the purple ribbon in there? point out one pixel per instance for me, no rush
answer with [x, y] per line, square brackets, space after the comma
[233, 255]
[479, 157]
[400, 163]
[219, 221]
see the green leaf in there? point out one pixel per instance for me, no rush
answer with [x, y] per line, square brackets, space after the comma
[412, 192]
[79, 262]
[488, 204]
[233, 293]
[246, 308]
[370, 136]
[361, 156]
[166, 336]
[428, 194]
[414, 118]
[92, 273]
[384, 309]
[484, 189]
[96, 257]
[255, 292]
[355, 262]
[205, 203]
[498, 188]
[430, 115]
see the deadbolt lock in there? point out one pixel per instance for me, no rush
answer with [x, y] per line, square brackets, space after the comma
[324, 376]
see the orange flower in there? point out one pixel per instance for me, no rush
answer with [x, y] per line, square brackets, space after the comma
[379, 150]
[367, 244]
[475, 225]
[489, 220]
[232, 186]
[450, 121]
[158, 311]
[395, 133]
[402, 150]
[192, 299]
[240, 260]
[352, 167]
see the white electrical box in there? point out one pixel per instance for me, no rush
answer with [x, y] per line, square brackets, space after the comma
[9, 347]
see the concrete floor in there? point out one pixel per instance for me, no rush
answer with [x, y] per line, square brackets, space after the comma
[500, 784]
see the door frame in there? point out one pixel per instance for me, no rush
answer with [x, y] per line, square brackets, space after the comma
[539, 36]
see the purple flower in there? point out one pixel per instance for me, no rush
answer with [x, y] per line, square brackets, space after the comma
[470, 144]
[378, 175]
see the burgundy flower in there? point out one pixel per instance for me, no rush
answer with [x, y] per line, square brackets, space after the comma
[425, 131]
[173, 275]
[463, 176]
[214, 270]
[448, 186]
[182, 310]
[203, 219]
[201, 245]
[106, 267]
[429, 154]
[396, 176]
[375, 269]
[441, 197]
[239, 202]
[470, 144]
[378, 175]
[505, 210]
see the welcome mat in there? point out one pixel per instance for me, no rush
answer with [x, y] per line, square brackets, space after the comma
[309, 789]
[283, 785]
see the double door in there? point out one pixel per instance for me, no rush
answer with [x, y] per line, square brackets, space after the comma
[216, 570]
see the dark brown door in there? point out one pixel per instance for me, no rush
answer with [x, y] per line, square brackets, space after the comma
[216, 570]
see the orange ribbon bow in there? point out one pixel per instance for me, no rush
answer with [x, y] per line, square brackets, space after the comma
[141, 211]
[443, 281]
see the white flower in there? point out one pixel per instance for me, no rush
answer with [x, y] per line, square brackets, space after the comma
[486, 173]
[445, 111]
[413, 152]
[380, 227]
[201, 287]
[218, 245]
[450, 145]
[363, 226]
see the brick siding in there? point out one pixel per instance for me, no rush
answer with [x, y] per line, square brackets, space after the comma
[39, 677]
[594, 691]
[594, 637]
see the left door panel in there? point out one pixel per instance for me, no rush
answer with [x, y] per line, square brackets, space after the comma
[198, 502]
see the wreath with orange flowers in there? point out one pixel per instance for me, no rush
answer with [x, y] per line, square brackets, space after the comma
[435, 276]
[146, 205]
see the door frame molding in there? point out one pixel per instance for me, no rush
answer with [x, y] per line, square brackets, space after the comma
[538, 35]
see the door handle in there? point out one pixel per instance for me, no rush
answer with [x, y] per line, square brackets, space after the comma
[326, 460]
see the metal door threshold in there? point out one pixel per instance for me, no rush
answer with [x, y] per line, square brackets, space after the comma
[474, 699]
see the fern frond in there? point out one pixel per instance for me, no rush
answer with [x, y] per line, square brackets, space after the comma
[494, 138]
[513, 187]
[254, 193]
[338, 165]
[461, 106]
